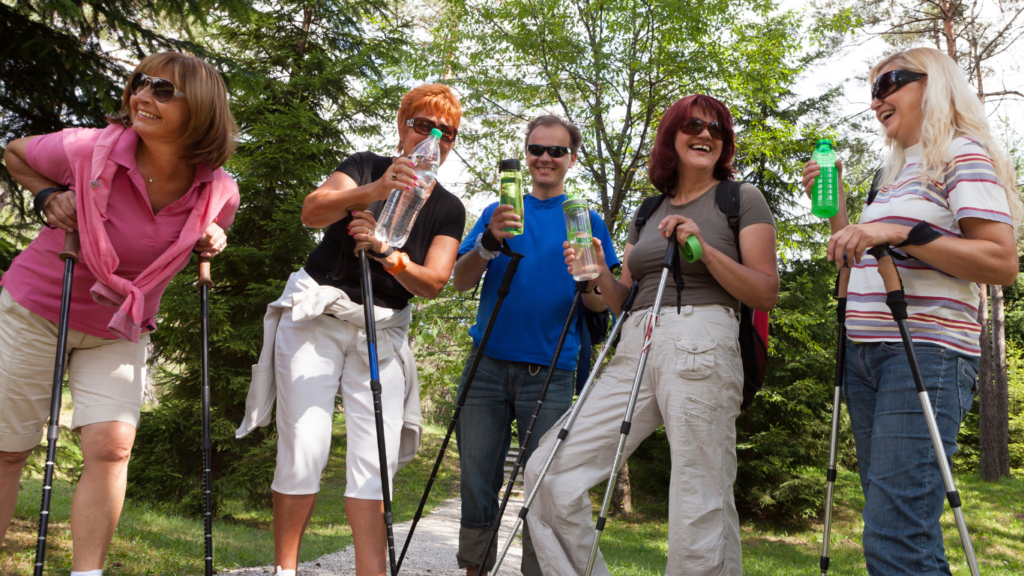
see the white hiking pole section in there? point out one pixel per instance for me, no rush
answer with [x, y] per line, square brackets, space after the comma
[842, 284]
[564, 432]
[70, 256]
[897, 303]
[652, 321]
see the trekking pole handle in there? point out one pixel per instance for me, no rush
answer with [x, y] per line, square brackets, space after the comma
[894, 297]
[633, 290]
[673, 244]
[204, 273]
[844, 281]
[72, 244]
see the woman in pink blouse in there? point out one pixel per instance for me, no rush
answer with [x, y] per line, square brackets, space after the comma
[142, 193]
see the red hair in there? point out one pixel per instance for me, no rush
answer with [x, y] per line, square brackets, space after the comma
[664, 162]
[430, 99]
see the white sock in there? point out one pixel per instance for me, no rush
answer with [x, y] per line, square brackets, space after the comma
[89, 573]
[279, 572]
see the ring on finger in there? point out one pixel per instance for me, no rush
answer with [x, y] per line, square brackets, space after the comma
[394, 176]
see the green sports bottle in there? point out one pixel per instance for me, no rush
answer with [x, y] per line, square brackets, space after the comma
[512, 190]
[825, 191]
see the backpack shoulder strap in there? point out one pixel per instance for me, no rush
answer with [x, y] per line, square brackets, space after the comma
[646, 209]
[727, 196]
[875, 185]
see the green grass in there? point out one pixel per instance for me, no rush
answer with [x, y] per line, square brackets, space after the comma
[637, 545]
[149, 541]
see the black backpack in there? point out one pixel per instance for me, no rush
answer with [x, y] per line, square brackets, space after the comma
[753, 345]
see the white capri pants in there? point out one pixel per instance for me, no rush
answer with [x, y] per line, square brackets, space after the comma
[693, 384]
[313, 359]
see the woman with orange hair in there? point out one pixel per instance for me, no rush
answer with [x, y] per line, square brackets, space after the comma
[319, 347]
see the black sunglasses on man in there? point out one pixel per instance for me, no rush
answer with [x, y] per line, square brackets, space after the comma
[553, 151]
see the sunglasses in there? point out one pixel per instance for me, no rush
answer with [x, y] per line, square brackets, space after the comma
[696, 126]
[888, 83]
[162, 90]
[553, 151]
[423, 126]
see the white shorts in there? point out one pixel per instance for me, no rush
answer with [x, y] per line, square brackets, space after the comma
[106, 376]
[313, 359]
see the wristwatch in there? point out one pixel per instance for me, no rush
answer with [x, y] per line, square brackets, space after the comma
[483, 252]
[403, 261]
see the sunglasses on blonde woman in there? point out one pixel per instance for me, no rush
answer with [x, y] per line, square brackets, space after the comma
[162, 90]
[887, 84]
[423, 126]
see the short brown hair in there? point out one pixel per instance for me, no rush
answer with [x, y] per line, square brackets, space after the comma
[211, 135]
[575, 136]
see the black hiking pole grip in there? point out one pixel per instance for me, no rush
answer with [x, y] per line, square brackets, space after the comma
[896, 300]
[378, 410]
[70, 256]
[503, 291]
[581, 287]
[204, 283]
[842, 285]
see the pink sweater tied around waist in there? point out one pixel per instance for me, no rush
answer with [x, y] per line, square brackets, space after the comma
[88, 150]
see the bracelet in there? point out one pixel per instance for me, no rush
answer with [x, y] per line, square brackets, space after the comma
[403, 261]
[384, 254]
[921, 233]
[39, 202]
[484, 252]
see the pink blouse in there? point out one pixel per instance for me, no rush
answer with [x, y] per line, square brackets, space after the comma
[139, 237]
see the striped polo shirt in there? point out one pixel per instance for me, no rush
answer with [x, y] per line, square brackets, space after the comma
[942, 309]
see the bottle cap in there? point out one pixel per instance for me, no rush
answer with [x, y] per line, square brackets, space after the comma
[691, 249]
[436, 133]
[510, 164]
[575, 202]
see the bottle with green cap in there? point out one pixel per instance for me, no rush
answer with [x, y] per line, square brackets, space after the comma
[403, 206]
[511, 192]
[825, 191]
[577, 228]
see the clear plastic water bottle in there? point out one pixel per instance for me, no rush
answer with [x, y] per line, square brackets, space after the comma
[577, 228]
[825, 191]
[403, 206]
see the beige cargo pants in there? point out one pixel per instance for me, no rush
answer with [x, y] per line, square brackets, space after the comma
[693, 384]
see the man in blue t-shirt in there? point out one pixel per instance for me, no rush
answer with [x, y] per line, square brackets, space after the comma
[522, 342]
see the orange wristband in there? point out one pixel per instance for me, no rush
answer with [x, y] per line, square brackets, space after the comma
[403, 261]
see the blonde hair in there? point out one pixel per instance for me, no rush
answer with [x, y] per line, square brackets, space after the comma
[951, 110]
[211, 134]
[430, 99]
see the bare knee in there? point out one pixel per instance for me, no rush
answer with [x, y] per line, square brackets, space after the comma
[16, 460]
[109, 445]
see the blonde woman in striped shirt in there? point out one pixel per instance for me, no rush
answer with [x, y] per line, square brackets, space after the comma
[946, 198]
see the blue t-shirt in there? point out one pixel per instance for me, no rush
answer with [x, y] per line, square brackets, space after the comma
[533, 314]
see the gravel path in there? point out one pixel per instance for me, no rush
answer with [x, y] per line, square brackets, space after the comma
[432, 552]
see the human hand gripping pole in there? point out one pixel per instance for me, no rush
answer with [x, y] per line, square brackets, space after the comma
[70, 256]
[897, 303]
[564, 432]
[668, 264]
[378, 411]
[205, 282]
[842, 285]
[581, 287]
[503, 291]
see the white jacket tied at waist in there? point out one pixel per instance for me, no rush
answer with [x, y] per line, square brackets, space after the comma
[307, 300]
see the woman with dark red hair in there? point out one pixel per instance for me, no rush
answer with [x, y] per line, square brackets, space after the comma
[693, 381]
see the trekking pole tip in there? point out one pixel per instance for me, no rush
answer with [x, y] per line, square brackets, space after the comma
[72, 244]
[204, 272]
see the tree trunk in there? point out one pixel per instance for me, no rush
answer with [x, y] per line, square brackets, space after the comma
[994, 402]
[622, 497]
[947, 29]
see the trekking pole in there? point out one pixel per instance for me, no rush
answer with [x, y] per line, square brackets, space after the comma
[378, 411]
[503, 290]
[70, 256]
[627, 421]
[842, 284]
[204, 283]
[897, 303]
[581, 287]
[564, 432]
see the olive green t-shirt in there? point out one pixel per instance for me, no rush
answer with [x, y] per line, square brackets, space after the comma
[699, 287]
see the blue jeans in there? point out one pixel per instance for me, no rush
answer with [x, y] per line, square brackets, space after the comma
[501, 391]
[903, 490]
